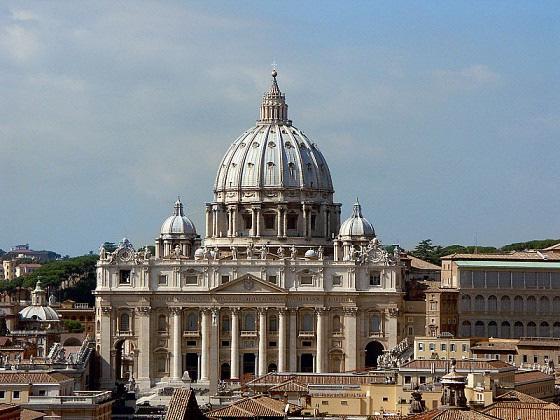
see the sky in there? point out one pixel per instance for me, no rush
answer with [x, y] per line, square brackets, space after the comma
[442, 117]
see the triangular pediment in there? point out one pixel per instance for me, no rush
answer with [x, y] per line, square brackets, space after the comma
[248, 284]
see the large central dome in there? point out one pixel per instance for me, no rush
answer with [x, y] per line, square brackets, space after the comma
[273, 187]
[271, 156]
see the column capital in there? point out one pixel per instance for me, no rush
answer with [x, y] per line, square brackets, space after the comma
[143, 310]
[235, 310]
[106, 310]
[282, 311]
[321, 311]
[352, 311]
[292, 310]
[262, 311]
[176, 310]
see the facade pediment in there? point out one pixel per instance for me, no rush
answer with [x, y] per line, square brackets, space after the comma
[248, 284]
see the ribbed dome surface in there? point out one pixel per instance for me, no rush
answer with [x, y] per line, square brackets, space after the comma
[357, 225]
[178, 223]
[273, 154]
[40, 313]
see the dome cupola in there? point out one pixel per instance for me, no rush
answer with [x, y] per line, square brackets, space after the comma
[38, 310]
[357, 226]
[178, 224]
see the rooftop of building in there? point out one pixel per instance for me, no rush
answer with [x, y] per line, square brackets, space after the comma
[507, 405]
[255, 406]
[530, 376]
[462, 365]
[420, 264]
[451, 414]
[529, 255]
[275, 378]
[35, 378]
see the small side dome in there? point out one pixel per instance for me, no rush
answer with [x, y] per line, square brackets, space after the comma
[38, 313]
[357, 225]
[311, 253]
[177, 224]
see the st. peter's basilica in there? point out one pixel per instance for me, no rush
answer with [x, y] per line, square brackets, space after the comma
[278, 283]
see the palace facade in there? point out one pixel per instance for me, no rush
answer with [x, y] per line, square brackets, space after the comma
[278, 283]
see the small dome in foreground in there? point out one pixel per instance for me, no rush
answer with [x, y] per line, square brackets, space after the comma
[178, 224]
[357, 225]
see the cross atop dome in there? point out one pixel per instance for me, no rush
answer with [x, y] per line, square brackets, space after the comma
[273, 106]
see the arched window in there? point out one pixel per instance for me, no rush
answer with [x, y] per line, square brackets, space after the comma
[337, 326]
[505, 304]
[466, 303]
[272, 367]
[556, 304]
[492, 329]
[125, 322]
[556, 330]
[506, 330]
[249, 322]
[466, 329]
[162, 323]
[479, 303]
[374, 324]
[307, 322]
[492, 303]
[192, 322]
[518, 329]
[98, 324]
[544, 305]
[518, 304]
[226, 324]
[531, 305]
[531, 329]
[273, 323]
[479, 329]
[544, 329]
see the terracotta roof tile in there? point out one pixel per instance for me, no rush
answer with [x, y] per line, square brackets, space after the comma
[525, 413]
[256, 406]
[27, 414]
[517, 396]
[451, 414]
[289, 386]
[183, 406]
[462, 365]
[33, 378]
[531, 376]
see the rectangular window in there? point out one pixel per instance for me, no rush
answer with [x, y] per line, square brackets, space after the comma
[525, 358]
[432, 347]
[385, 399]
[2, 394]
[269, 221]
[225, 279]
[162, 280]
[191, 343]
[307, 280]
[272, 279]
[191, 280]
[272, 344]
[452, 347]
[407, 379]
[374, 279]
[324, 402]
[248, 220]
[42, 392]
[421, 346]
[313, 221]
[443, 347]
[337, 280]
[292, 221]
[464, 347]
[343, 402]
[15, 395]
[422, 379]
[306, 343]
[535, 359]
[410, 330]
[225, 343]
[124, 277]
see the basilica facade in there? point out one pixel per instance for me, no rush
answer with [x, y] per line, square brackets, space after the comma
[278, 283]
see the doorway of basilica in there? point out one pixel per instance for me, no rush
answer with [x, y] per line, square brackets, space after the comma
[336, 361]
[249, 364]
[191, 365]
[306, 363]
[374, 349]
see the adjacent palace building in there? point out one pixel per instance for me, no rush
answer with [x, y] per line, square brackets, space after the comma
[277, 284]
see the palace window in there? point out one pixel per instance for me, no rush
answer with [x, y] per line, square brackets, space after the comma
[272, 279]
[225, 279]
[313, 221]
[374, 279]
[337, 280]
[191, 279]
[249, 322]
[374, 324]
[162, 323]
[192, 322]
[273, 323]
[248, 220]
[291, 221]
[306, 280]
[307, 322]
[124, 277]
[226, 324]
[162, 280]
[269, 220]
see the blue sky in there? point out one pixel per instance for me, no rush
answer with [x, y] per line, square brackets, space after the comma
[443, 117]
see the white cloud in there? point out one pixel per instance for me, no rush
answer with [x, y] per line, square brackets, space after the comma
[20, 43]
[469, 78]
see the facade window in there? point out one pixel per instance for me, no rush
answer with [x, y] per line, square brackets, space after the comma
[465, 348]
[432, 347]
[15, 395]
[433, 306]
[374, 324]
[421, 346]
[269, 220]
[407, 379]
[2, 394]
[272, 279]
[225, 279]
[162, 280]
[337, 280]
[161, 363]
[337, 326]
[273, 323]
[192, 322]
[313, 221]
[422, 379]
[124, 277]
[443, 347]
[291, 221]
[324, 402]
[410, 330]
[191, 280]
[226, 324]
[307, 322]
[525, 358]
[124, 322]
[162, 323]
[249, 323]
[272, 344]
[42, 392]
[343, 402]
[375, 279]
[306, 280]
[452, 347]
[225, 343]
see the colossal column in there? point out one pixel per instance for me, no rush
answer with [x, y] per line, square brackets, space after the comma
[144, 346]
[320, 359]
[282, 340]
[262, 341]
[293, 339]
[234, 362]
[350, 335]
[107, 367]
[205, 321]
[177, 356]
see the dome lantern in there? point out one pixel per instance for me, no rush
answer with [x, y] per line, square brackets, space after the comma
[273, 106]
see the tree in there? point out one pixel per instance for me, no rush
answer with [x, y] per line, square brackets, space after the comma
[427, 251]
